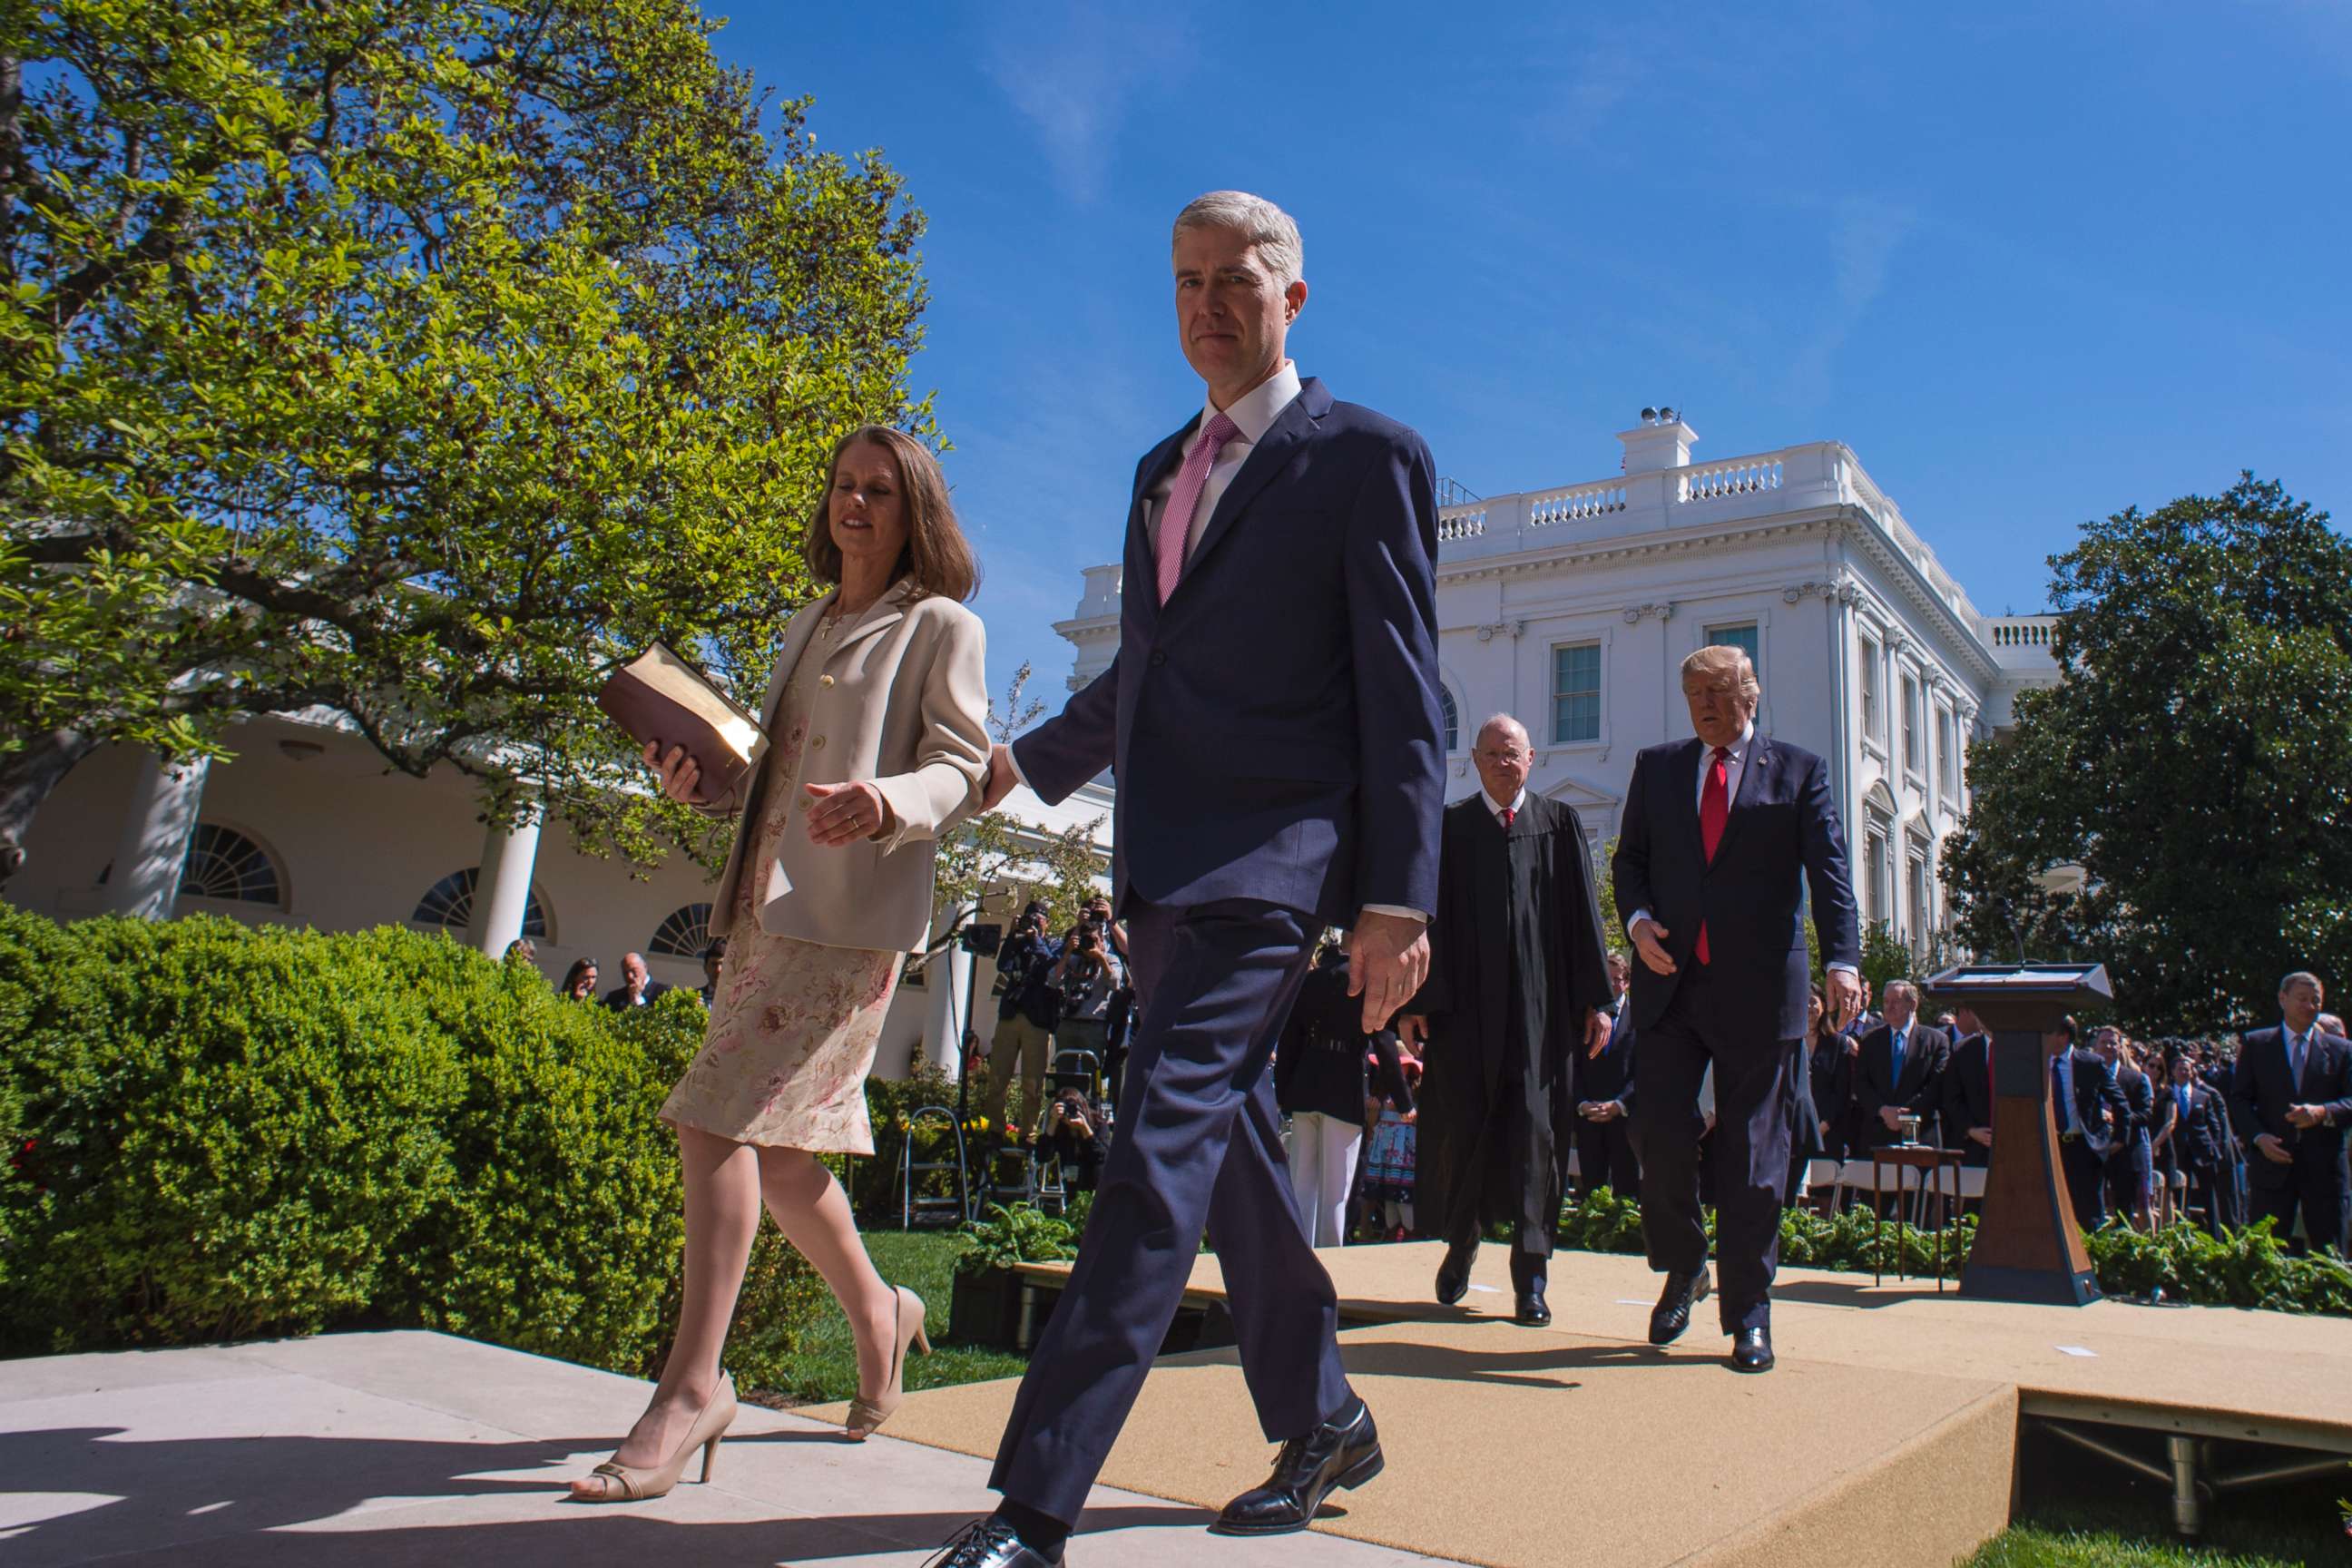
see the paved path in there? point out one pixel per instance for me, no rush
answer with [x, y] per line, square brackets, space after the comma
[367, 1450]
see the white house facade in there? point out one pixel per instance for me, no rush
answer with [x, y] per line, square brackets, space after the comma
[1573, 609]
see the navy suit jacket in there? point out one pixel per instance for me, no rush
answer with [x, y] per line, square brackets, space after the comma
[1275, 727]
[1782, 838]
[2261, 1092]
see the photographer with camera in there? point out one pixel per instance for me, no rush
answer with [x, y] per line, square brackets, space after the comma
[1090, 974]
[1071, 1131]
[1030, 1007]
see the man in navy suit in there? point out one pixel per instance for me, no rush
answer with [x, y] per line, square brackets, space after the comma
[1900, 1071]
[2290, 1101]
[1722, 838]
[2088, 1106]
[1606, 1100]
[1272, 717]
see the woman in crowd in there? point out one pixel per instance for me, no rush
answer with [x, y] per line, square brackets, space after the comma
[1070, 1129]
[1321, 1079]
[579, 981]
[876, 742]
[1389, 1161]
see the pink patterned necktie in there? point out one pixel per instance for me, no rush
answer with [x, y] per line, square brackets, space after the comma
[1184, 500]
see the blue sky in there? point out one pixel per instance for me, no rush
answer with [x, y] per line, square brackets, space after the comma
[2032, 263]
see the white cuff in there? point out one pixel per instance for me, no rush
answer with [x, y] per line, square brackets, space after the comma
[1012, 761]
[1399, 911]
[1842, 969]
[1636, 918]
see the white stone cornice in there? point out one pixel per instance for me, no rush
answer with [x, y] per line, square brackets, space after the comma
[1636, 614]
[1501, 628]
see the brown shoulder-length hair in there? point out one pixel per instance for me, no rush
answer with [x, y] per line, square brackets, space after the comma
[938, 556]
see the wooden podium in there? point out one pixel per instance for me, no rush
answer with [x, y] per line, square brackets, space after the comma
[2027, 1246]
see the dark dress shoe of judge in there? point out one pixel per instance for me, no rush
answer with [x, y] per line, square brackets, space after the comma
[1532, 1310]
[1453, 1274]
[1752, 1351]
[1344, 1451]
[1672, 1314]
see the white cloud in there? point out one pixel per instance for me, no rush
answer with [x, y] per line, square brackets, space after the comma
[1864, 236]
[1074, 72]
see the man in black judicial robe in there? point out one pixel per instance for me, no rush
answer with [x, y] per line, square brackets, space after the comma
[1516, 981]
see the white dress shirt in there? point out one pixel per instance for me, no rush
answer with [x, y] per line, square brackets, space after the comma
[1518, 804]
[1734, 767]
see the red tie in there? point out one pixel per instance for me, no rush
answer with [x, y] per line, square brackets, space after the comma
[1507, 815]
[1714, 811]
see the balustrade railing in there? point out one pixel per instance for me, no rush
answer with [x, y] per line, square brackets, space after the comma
[1745, 477]
[2023, 631]
[1547, 508]
[1460, 522]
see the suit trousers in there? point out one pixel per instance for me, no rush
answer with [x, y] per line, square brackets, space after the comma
[1751, 1141]
[2086, 1181]
[1605, 1157]
[1199, 1144]
[2313, 1188]
[2216, 1191]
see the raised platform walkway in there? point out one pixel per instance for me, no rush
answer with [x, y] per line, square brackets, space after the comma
[1888, 1436]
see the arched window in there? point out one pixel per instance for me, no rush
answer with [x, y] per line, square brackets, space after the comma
[450, 902]
[224, 864]
[685, 934]
[1452, 717]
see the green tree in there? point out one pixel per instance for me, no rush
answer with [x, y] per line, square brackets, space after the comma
[413, 362]
[2194, 762]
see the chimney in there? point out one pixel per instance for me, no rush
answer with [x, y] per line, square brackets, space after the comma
[1660, 441]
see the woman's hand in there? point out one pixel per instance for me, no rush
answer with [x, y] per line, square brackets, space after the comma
[679, 773]
[844, 812]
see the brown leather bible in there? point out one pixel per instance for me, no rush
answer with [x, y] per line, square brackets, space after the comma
[660, 697]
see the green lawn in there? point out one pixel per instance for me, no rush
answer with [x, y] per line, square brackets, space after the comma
[825, 1369]
[2079, 1514]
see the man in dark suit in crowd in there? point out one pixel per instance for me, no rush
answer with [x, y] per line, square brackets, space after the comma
[638, 987]
[2203, 1147]
[2290, 1101]
[1900, 1071]
[1967, 1091]
[2131, 1163]
[1605, 1155]
[1830, 1071]
[1272, 718]
[2090, 1113]
[1722, 838]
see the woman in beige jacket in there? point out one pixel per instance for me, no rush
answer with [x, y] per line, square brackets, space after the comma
[876, 744]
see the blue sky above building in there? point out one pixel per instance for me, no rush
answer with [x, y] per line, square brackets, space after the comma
[2032, 263]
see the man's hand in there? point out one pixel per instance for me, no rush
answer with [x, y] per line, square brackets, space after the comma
[2273, 1151]
[1893, 1116]
[1649, 942]
[844, 812]
[2304, 1115]
[1412, 1029]
[999, 780]
[679, 773]
[1982, 1135]
[1603, 1110]
[1845, 997]
[1388, 958]
[1596, 1032]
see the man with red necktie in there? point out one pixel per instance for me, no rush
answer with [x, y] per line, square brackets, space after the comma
[1722, 839]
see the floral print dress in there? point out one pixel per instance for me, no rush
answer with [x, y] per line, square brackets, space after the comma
[794, 1025]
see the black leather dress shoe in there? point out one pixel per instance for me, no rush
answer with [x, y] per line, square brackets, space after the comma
[1453, 1274]
[1532, 1310]
[1752, 1351]
[988, 1544]
[1344, 1451]
[1672, 1314]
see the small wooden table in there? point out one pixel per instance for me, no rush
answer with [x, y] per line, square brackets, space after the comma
[1931, 1162]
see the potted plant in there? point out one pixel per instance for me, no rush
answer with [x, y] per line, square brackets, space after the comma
[985, 1307]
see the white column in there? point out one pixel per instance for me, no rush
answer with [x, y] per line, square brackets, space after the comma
[503, 892]
[155, 837]
[946, 986]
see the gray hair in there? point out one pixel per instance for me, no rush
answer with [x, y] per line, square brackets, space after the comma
[1718, 660]
[1266, 227]
[2299, 976]
[1892, 986]
[1502, 721]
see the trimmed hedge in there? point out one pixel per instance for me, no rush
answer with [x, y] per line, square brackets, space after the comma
[2248, 1268]
[221, 1132]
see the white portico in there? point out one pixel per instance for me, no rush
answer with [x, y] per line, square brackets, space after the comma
[1573, 608]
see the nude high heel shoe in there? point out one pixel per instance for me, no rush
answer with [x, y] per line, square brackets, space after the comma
[629, 1483]
[865, 1414]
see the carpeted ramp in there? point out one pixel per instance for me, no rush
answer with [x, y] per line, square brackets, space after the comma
[1887, 1435]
